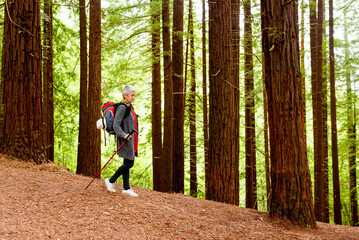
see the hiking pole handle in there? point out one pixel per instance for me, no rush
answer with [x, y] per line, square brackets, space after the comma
[132, 132]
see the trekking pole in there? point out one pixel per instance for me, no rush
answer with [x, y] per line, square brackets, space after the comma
[133, 130]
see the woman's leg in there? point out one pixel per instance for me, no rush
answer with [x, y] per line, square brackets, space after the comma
[124, 170]
[126, 173]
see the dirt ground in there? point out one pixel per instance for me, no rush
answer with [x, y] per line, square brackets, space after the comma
[49, 202]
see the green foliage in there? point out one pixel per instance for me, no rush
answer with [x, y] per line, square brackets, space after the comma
[126, 59]
[66, 93]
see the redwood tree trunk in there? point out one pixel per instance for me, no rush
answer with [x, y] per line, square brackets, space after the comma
[235, 6]
[325, 196]
[351, 121]
[266, 140]
[166, 157]
[291, 196]
[319, 173]
[352, 155]
[251, 181]
[333, 114]
[22, 85]
[94, 93]
[192, 111]
[156, 94]
[204, 84]
[83, 133]
[302, 57]
[222, 170]
[48, 98]
[178, 97]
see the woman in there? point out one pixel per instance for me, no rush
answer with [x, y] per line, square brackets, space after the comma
[128, 151]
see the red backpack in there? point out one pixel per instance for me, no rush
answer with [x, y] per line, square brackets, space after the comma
[109, 111]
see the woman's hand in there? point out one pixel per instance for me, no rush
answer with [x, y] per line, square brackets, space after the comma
[127, 137]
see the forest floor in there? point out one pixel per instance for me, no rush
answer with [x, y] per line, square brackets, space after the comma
[49, 202]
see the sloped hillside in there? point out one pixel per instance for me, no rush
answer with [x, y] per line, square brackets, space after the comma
[49, 202]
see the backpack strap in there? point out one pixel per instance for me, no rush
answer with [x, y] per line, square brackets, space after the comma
[127, 112]
[128, 109]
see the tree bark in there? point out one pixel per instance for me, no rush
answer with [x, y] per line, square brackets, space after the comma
[222, 172]
[235, 6]
[166, 157]
[333, 114]
[351, 121]
[94, 92]
[22, 85]
[204, 85]
[83, 133]
[319, 206]
[156, 93]
[251, 181]
[192, 110]
[302, 63]
[178, 97]
[325, 214]
[48, 98]
[291, 196]
[266, 140]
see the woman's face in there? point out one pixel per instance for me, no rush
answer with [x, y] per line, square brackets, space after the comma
[129, 98]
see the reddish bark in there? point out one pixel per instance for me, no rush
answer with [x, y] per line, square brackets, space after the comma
[178, 97]
[82, 157]
[166, 156]
[156, 95]
[333, 114]
[291, 196]
[222, 169]
[235, 34]
[94, 92]
[204, 84]
[48, 98]
[251, 181]
[21, 79]
[192, 110]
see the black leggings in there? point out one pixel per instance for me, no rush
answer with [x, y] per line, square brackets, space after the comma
[124, 170]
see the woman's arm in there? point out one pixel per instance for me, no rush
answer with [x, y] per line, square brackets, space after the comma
[120, 113]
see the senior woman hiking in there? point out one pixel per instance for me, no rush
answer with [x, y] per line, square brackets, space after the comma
[123, 126]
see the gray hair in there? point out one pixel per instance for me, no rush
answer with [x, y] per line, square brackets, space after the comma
[127, 90]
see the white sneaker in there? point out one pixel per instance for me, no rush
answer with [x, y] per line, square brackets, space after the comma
[110, 186]
[130, 192]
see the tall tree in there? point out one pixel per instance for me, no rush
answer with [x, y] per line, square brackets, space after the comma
[319, 204]
[313, 54]
[316, 30]
[94, 92]
[333, 114]
[192, 110]
[165, 184]
[302, 55]
[351, 121]
[22, 85]
[251, 181]
[222, 169]
[325, 194]
[82, 147]
[48, 96]
[235, 34]
[266, 138]
[156, 92]
[291, 196]
[204, 83]
[178, 97]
